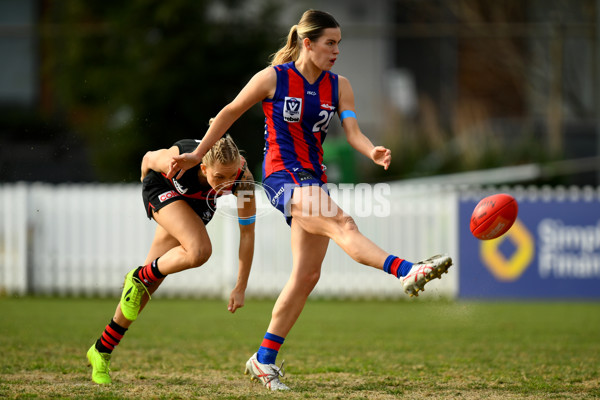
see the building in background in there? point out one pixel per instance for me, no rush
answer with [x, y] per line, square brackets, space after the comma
[451, 86]
[19, 76]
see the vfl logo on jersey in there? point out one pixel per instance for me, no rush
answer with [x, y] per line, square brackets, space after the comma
[292, 109]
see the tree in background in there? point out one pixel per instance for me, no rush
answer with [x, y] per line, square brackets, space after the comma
[132, 76]
[497, 83]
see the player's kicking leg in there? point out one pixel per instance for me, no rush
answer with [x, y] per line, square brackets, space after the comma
[424, 271]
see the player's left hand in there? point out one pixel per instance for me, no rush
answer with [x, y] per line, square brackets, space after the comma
[181, 163]
[381, 156]
[236, 300]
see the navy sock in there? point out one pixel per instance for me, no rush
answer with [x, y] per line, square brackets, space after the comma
[397, 266]
[267, 352]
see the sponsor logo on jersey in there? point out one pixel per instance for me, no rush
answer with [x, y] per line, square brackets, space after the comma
[292, 109]
[207, 216]
[311, 92]
[304, 176]
[327, 106]
[275, 198]
[167, 195]
[179, 188]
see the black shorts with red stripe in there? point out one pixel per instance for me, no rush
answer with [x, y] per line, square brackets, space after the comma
[158, 193]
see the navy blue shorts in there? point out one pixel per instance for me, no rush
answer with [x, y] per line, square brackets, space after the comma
[279, 188]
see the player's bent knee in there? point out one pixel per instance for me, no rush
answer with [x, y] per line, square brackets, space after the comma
[348, 223]
[199, 256]
[309, 280]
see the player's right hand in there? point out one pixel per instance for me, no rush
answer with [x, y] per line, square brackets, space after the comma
[381, 156]
[181, 163]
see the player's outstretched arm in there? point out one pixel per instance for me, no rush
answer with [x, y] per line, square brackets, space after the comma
[246, 205]
[260, 86]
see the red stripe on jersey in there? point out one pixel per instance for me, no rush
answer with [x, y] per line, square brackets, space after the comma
[273, 161]
[201, 195]
[296, 89]
[293, 177]
[325, 95]
[209, 194]
[326, 99]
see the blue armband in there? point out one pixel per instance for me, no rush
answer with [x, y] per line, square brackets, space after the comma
[346, 114]
[247, 221]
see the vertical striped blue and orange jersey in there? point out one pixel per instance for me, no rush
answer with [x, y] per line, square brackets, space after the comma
[296, 121]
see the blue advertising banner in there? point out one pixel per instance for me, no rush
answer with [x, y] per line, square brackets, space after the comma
[552, 251]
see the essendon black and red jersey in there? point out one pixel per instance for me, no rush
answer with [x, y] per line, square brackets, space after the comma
[189, 185]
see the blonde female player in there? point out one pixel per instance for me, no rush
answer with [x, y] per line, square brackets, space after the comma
[182, 207]
[299, 96]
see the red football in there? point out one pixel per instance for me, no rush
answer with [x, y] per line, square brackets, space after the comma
[493, 216]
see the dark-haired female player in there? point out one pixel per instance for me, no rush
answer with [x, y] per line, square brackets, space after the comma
[299, 96]
[181, 207]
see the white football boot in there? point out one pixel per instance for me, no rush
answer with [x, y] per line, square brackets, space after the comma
[267, 374]
[424, 271]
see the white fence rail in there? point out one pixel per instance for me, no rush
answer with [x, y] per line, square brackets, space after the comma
[82, 239]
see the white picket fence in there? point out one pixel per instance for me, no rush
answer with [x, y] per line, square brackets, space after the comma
[81, 239]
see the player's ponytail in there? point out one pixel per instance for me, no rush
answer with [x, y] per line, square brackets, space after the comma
[224, 151]
[290, 51]
[311, 26]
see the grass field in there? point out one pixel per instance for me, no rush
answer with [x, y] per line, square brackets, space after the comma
[184, 349]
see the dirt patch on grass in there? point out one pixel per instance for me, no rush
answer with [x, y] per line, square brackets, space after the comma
[218, 385]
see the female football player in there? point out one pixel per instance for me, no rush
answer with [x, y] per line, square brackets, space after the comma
[181, 207]
[299, 97]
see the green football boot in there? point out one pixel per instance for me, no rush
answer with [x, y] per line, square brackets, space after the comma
[131, 298]
[99, 362]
